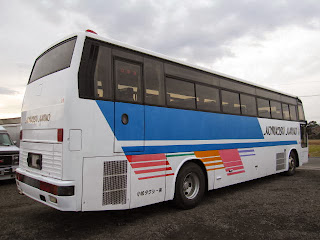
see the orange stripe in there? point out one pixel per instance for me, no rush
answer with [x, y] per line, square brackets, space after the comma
[211, 159]
[213, 164]
[215, 169]
[207, 153]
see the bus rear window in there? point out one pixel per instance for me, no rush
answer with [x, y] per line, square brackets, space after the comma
[53, 60]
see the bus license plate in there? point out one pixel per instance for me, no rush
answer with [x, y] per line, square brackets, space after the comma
[35, 160]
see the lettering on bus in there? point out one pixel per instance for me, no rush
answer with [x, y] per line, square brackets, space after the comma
[38, 118]
[276, 130]
[149, 192]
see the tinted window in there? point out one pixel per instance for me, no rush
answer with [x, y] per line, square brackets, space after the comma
[293, 112]
[248, 105]
[207, 98]
[128, 81]
[285, 111]
[301, 113]
[102, 74]
[276, 111]
[263, 108]
[180, 94]
[55, 59]
[154, 83]
[230, 102]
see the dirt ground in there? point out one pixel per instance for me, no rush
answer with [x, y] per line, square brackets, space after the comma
[274, 207]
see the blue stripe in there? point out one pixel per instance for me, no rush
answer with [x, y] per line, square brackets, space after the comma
[163, 124]
[203, 147]
[247, 155]
[244, 151]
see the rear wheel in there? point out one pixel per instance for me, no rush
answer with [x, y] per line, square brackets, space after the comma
[292, 164]
[190, 186]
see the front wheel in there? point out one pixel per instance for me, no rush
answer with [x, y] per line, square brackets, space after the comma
[190, 186]
[292, 164]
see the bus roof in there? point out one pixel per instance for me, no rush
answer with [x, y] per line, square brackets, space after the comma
[171, 59]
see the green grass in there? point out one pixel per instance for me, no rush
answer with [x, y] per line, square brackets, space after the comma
[314, 148]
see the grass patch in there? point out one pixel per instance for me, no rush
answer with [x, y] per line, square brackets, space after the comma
[314, 147]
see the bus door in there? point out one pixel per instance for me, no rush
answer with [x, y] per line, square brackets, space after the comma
[129, 111]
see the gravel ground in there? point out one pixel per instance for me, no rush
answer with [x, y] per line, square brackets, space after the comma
[274, 207]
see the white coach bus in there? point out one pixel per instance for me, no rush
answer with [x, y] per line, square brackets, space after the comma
[109, 126]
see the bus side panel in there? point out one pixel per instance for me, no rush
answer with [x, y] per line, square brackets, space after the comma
[106, 185]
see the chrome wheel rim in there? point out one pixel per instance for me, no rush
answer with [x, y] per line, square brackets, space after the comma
[191, 185]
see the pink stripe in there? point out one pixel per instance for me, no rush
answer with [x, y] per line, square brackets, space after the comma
[147, 157]
[149, 164]
[153, 170]
[232, 173]
[232, 164]
[156, 176]
[228, 155]
[234, 168]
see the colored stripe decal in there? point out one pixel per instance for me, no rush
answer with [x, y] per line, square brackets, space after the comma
[152, 170]
[233, 173]
[164, 175]
[247, 155]
[213, 164]
[205, 147]
[245, 151]
[179, 155]
[149, 164]
[150, 157]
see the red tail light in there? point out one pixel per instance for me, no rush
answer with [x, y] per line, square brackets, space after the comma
[60, 135]
[20, 134]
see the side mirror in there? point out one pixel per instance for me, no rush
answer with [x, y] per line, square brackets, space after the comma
[309, 130]
[14, 142]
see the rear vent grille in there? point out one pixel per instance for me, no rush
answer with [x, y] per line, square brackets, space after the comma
[115, 183]
[281, 163]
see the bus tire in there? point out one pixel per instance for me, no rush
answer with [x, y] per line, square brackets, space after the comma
[292, 164]
[190, 186]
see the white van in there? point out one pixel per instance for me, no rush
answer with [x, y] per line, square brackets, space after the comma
[9, 156]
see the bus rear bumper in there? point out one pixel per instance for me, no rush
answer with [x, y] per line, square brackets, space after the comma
[51, 192]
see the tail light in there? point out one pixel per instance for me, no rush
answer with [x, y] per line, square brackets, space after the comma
[20, 134]
[60, 135]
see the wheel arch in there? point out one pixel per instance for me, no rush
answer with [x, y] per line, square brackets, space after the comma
[294, 150]
[199, 163]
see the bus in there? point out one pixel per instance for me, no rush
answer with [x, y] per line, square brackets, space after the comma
[108, 126]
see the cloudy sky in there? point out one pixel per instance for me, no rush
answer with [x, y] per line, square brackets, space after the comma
[272, 43]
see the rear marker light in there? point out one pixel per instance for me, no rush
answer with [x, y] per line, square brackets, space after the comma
[90, 31]
[60, 135]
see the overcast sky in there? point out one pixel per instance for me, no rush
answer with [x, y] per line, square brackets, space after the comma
[272, 43]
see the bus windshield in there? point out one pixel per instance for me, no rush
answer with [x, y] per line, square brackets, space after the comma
[53, 60]
[5, 140]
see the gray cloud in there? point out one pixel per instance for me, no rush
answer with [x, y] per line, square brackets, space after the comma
[7, 91]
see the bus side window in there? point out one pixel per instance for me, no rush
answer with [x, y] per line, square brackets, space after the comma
[285, 111]
[276, 111]
[293, 112]
[154, 82]
[102, 74]
[301, 113]
[208, 98]
[263, 108]
[248, 105]
[128, 81]
[230, 102]
[180, 94]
